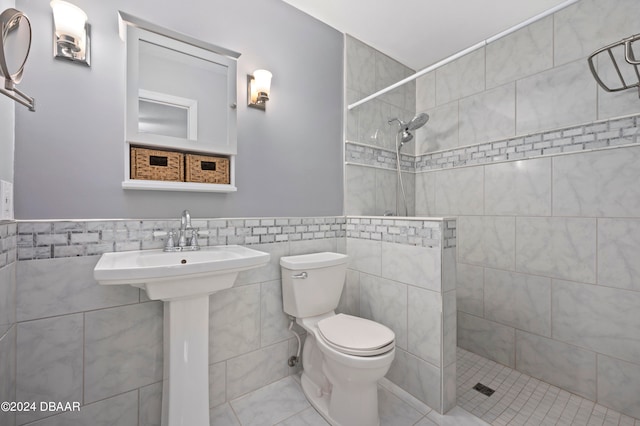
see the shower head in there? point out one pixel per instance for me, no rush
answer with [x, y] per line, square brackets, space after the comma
[418, 121]
[415, 123]
[406, 128]
[406, 136]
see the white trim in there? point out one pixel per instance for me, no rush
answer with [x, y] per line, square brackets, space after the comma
[158, 185]
[125, 19]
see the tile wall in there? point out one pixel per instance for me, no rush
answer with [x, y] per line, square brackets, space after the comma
[7, 317]
[402, 275]
[532, 80]
[370, 174]
[103, 346]
[540, 166]
[547, 243]
[75, 340]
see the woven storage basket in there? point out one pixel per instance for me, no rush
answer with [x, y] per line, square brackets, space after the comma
[206, 169]
[153, 164]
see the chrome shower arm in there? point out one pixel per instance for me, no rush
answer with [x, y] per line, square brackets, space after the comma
[400, 122]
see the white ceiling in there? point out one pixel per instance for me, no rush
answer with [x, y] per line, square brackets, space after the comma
[419, 33]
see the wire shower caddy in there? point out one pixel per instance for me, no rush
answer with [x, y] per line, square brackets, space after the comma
[632, 79]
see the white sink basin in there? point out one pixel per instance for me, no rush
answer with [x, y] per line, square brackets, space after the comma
[173, 275]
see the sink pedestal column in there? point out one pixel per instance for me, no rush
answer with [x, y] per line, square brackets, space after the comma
[185, 391]
[184, 281]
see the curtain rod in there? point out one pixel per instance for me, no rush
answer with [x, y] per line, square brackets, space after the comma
[464, 52]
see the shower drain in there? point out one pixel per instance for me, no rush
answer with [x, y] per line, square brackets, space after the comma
[485, 390]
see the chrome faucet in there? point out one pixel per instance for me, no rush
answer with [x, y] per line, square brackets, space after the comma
[183, 244]
[185, 225]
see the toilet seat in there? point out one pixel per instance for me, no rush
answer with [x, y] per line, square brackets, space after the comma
[356, 336]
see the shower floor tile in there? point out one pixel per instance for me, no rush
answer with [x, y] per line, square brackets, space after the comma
[522, 400]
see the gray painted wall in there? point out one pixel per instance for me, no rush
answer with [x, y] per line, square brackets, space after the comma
[70, 156]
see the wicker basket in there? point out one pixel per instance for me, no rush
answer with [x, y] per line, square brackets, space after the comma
[206, 169]
[152, 164]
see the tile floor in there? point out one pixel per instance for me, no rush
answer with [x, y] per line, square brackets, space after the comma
[522, 400]
[282, 403]
[519, 400]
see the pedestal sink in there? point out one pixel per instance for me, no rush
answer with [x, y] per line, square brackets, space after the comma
[184, 280]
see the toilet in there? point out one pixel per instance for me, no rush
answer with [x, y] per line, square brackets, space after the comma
[343, 356]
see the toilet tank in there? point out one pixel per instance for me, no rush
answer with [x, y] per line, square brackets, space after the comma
[312, 283]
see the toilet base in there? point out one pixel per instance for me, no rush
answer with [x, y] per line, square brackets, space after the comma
[320, 400]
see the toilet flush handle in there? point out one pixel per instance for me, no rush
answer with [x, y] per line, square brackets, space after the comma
[301, 275]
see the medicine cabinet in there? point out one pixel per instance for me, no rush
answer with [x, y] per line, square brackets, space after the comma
[180, 95]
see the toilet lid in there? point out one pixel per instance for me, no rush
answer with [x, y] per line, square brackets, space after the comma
[356, 336]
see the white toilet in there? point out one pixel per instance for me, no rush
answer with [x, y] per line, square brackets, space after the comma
[344, 356]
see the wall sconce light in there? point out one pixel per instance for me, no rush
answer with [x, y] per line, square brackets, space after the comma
[259, 89]
[71, 33]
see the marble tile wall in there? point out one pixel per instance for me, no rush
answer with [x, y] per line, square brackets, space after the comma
[371, 179]
[547, 266]
[8, 238]
[368, 71]
[376, 191]
[103, 346]
[547, 270]
[533, 80]
[547, 277]
[540, 166]
[402, 274]
[517, 98]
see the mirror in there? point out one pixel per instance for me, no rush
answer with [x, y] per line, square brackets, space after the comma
[16, 43]
[181, 92]
[163, 114]
[163, 119]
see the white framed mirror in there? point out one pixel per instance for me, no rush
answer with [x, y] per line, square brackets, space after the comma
[181, 92]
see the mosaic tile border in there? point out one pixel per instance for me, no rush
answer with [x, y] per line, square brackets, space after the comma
[8, 243]
[369, 155]
[58, 239]
[63, 238]
[587, 137]
[450, 233]
[423, 233]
